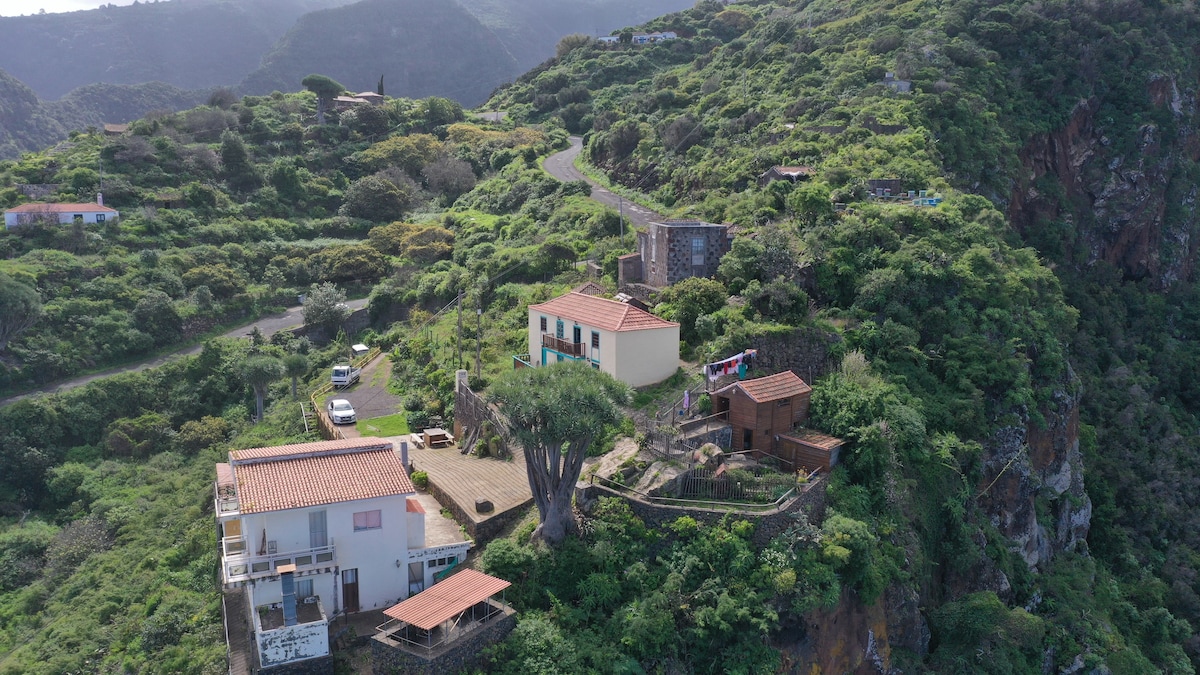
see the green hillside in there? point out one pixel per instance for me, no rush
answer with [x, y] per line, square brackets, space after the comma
[1012, 365]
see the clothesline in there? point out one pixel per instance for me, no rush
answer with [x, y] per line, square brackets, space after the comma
[738, 363]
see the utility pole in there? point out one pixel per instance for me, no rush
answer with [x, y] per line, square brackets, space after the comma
[458, 363]
[621, 215]
[478, 337]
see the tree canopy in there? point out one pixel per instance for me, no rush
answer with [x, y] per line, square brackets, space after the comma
[555, 413]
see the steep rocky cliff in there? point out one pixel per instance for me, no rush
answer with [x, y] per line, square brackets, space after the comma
[1032, 488]
[1091, 192]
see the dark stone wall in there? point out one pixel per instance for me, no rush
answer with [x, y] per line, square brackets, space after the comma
[459, 656]
[322, 665]
[809, 504]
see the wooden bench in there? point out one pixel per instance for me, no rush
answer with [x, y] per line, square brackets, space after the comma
[417, 440]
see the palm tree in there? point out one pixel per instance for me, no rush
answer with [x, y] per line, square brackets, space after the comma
[295, 366]
[260, 372]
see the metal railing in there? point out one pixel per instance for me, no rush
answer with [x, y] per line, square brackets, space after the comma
[246, 567]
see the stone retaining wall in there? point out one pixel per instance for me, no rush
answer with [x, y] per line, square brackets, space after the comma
[462, 655]
[768, 524]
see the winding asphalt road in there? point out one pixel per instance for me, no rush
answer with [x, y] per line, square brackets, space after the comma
[268, 325]
[561, 165]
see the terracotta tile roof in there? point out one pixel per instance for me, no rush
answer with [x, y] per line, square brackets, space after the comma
[224, 475]
[446, 599]
[40, 207]
[246, 456]
[813, 438]
[413, 506]
[311, 474]
[590, 288]
[601, 313]
[770, 388]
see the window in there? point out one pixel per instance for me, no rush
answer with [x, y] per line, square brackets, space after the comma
[595, 340]
[368, 520]
[697, 251]
[304, 588]
[99, 217]
[784, 403]
[542, 322]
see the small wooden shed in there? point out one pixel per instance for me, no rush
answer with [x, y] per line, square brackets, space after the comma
[761, 408]
[809, 449]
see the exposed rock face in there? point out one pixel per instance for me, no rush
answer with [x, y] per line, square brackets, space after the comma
[855, 638]
[1028, 465]
[1128, 200]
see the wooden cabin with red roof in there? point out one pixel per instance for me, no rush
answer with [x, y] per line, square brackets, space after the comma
[767, 414]
[628, 343]
[761, 408]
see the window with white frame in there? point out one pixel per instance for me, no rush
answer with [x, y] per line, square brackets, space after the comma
[368, 520]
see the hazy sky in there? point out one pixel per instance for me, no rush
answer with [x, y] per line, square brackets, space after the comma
[19, 7]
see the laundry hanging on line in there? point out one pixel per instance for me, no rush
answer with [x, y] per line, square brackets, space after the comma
[737, 364]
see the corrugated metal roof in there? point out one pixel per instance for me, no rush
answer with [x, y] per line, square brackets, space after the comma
[601, 313]
[770, 388]
[446, 599]
[813, 438]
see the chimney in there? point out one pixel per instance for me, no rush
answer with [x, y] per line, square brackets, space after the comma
[288, 583]
[100, 198]
[404, 455]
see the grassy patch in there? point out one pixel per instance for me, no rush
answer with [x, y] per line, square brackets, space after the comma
[388, 425]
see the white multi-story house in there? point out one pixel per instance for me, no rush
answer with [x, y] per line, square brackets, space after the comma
[313, 530]
[628, 343]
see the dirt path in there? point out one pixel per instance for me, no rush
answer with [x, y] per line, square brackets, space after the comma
[561, 165]
[267, 324]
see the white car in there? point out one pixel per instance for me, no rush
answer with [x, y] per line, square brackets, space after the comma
[340, 411]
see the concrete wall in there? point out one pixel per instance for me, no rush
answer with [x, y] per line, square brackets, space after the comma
[768, 524]
[646, 356]
[372, 552]
[303, 641]
[462, 655]
[321, 665]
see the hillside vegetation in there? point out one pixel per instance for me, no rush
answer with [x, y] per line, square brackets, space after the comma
[1015, 390]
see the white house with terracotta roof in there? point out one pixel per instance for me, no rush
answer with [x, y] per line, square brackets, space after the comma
[64, 214]
[628, 343]
[313, 530]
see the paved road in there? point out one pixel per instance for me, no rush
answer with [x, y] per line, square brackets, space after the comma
[561, 165]
[268, 325]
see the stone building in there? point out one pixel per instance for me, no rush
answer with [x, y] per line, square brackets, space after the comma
[674, 250]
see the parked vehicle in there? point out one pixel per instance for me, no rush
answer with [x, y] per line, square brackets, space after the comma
[344, 375]
[340, 411]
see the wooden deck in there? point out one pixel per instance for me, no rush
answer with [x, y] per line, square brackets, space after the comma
[458, 480]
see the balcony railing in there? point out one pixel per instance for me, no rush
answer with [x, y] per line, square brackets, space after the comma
[242, 567]
[564, 347]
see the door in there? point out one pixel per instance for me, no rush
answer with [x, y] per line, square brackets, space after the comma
[747, 439]
[416, 577]
[350, 589]
[576, 335]
[317, 534]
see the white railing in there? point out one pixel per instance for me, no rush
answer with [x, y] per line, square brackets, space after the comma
[244, 567]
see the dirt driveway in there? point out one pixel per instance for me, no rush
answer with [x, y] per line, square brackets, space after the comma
[370, 396]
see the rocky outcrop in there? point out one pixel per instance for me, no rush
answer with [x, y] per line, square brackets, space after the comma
[853, 637]
[1032, 488]
[1090, 192]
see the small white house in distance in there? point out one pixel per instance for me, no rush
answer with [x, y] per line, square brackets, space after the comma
[64, 214]
[628, 343]
[313, 530]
